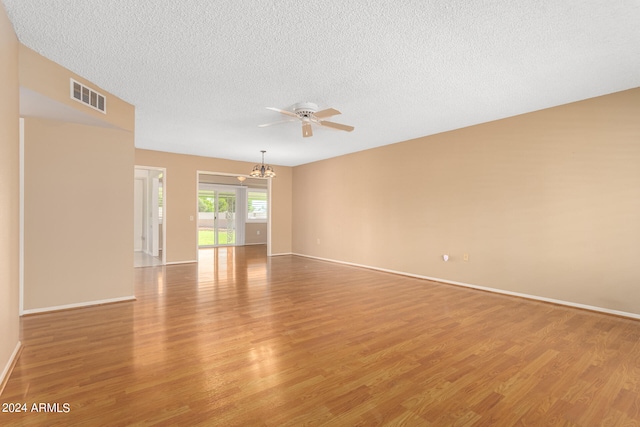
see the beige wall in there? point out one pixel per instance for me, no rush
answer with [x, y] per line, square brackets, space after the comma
[78, 189]
[251, 236]
[9, 191]
[545, 204]
[49, 79]
[78, 214]
[281, 211]
[180, 193]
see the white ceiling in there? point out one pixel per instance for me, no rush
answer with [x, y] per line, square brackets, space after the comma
[200, 73]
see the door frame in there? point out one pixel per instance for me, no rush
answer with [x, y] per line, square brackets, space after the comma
[163, 171]
[204, 172]
[141, 182]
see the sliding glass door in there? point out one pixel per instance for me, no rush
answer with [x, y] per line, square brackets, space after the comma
[216, 215]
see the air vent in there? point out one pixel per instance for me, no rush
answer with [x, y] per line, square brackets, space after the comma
[88, 96]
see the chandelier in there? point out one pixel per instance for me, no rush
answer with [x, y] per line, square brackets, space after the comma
[262, 170]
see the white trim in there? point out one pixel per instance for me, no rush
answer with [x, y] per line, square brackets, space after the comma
[181, 262]
[225, 174]
[78, 305]
[196, 213]
[484, 288]
[21, 223]
[286, 253]
[164, 206]
[269, 204]
[141, 198]
[4, 377]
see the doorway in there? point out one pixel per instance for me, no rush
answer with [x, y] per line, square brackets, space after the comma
[149, 226]
[232, 211]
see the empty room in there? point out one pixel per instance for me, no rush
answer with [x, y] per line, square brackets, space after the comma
[284, 213]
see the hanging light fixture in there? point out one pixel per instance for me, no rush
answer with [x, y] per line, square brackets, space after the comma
[262, 170]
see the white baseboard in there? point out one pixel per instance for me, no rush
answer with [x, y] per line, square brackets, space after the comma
[484, 288]
[284, 253]
[4, 377]
[77, 305]
[181, 262]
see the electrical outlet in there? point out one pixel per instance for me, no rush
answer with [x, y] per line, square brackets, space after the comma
[258, 232]
[466, 257]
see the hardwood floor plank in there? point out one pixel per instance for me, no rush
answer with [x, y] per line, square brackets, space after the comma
[242, 339]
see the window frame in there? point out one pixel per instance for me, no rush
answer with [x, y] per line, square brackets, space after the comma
[257, 220]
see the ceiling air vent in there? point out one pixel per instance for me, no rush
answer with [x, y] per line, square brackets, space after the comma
[88, 96]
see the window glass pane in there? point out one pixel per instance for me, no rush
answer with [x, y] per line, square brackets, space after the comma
[256, 205]
[77, 91]
[160, 204]
[205, 201]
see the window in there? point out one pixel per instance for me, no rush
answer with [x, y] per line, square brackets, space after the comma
[257, 207]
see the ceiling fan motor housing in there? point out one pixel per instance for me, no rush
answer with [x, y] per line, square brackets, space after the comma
[304, 110]
[308, 114]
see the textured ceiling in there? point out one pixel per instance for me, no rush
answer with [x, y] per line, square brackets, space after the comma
[201, 73]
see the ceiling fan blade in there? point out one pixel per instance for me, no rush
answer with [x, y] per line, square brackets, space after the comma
[275, 123]
[336, 125]
[306, 130]
[285, 112]
[327, 113]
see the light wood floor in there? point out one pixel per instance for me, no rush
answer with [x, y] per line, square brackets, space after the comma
[244, 340]
[141, 259]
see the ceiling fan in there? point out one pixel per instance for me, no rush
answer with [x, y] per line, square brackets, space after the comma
[307, 113]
